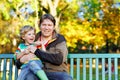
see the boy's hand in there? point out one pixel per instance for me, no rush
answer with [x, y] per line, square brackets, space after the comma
[26, 51]
[32, 48]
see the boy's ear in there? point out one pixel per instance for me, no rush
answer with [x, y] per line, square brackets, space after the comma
[23, 37]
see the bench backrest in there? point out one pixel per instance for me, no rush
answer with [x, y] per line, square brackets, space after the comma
[92, 66]
[82, 66]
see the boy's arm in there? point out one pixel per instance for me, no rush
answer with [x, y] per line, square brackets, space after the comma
[19, 54]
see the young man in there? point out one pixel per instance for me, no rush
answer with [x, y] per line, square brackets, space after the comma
[55, 56]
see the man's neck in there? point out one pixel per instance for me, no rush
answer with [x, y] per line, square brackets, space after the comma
[45, 39]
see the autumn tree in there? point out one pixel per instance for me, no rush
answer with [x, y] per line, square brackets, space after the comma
[86, 24]
[13, 15]
[17, 13]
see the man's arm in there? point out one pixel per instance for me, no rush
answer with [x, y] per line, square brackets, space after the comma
[18, 64]
[55, 59]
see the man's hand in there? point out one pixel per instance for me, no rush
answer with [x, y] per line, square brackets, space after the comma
[26, 58]
[37, 43]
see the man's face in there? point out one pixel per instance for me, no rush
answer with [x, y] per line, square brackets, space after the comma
[47, 28]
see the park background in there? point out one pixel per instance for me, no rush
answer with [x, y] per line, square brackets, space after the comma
[89, 26]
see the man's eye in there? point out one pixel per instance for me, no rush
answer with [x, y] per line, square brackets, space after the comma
[49, 24]
[43, 24]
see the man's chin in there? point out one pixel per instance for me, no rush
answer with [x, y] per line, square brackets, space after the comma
[46, 35]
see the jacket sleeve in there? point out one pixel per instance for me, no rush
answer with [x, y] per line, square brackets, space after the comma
[18, 64]
[55, 59]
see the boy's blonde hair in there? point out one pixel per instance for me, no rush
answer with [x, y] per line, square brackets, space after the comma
[25, 29]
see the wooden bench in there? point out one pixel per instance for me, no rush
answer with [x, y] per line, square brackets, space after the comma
[82, 67]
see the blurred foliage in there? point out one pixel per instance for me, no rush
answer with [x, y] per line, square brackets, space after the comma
[96, 28]
[88, 26]
[13, 15]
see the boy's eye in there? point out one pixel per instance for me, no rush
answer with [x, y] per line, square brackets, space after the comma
[29, 34]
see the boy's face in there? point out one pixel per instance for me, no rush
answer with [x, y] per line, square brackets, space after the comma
[29, 37]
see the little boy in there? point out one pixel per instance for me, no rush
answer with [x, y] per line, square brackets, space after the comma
[27, 34]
